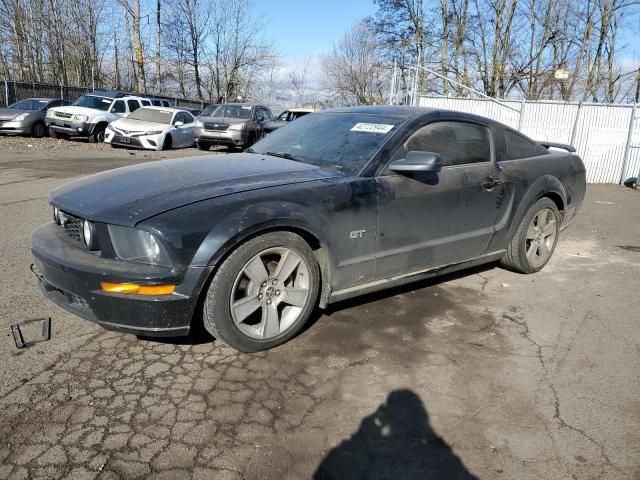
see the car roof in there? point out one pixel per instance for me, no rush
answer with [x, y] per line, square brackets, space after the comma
[40, 99]
[300, 109]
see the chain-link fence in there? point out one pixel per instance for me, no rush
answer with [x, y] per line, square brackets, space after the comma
[15, 91]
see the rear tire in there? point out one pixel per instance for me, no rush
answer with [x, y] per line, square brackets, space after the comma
[535, 240]
[263, 292]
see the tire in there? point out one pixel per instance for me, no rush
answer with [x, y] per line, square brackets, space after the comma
[532, 247]
[39, 130]
[54, 134]
[168, 143]
[269, 291]
[203, 146]
[98, 134]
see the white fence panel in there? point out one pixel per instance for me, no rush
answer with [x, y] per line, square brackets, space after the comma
[601, 130]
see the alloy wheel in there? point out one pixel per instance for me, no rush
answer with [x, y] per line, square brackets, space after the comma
[270, 293]
[541, 237]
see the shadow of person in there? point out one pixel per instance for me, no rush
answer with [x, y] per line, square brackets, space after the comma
[395, 442]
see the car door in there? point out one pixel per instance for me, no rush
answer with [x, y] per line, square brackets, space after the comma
[118, 108]
[188, 129]
[431, 219]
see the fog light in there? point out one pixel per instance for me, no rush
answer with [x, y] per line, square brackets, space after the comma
[79, 129]
[134, 288]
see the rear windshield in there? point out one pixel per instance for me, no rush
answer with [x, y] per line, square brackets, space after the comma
[91, 101]
[233, 111]
[29, 104]
[152, 115]
[341, 141]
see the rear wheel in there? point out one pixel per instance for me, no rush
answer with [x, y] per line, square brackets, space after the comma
[263, 293]
[39, 130]
[535, 240]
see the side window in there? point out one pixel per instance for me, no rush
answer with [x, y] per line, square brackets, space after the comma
[519, 146]
[458, 143]
[267, 114]
[118, 107]
[133, 105]
[187, 118]
[146, 103]
[259, 115]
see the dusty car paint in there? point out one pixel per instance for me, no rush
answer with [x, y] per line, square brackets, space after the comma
[406, 228]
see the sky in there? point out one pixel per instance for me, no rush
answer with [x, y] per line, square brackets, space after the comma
[303, 28]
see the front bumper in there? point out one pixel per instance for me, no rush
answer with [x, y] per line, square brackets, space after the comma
[70, 126]
[70, 277]
[14, 127]
[148, 142]
[235, 138]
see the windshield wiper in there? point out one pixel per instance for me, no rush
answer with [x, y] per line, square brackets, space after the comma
[288, 156]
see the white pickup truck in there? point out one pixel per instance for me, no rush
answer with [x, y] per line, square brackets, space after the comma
[91, 113]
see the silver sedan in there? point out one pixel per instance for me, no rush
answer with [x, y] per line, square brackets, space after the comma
[26, 117]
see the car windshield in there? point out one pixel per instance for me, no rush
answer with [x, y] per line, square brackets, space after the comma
[233, 111]
[343, 141]
[29, 104]
[91, 101]
[152, 115]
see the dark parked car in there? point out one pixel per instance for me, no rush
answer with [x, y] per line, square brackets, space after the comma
[26, 117]
[286, 117]
[236, 125]
[338, 204]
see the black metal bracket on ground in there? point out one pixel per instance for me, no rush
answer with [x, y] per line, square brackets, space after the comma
[18, 338]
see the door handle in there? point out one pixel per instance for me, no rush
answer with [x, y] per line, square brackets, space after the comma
[491, 183]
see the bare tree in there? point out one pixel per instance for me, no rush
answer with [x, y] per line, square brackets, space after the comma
[353, 71]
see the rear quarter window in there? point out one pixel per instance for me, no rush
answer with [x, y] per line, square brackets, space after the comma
[518, 146]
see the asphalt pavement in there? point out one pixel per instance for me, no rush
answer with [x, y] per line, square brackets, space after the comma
[483, 374]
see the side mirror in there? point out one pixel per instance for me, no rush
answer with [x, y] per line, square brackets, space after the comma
[418, 162]
[178, 124]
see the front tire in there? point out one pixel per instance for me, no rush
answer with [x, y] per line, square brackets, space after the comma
[168, 143]
[263, 293]
[535, 240]
[98, 134]
[39, 130]
[203, 146]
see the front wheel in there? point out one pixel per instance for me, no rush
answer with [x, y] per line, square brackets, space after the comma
[168, 143]
[98, 135]
[263, 293]
[535, 240]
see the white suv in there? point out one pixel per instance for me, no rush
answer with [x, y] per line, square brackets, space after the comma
[91, 113]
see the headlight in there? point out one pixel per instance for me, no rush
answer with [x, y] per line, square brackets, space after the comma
[89, 235]
[153, 132]
[237, 126]
[56, 215]
[22, 116]
[81, 118]
[138, 246]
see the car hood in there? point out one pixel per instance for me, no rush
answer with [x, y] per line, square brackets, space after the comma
[223, 120]
[78, 110]
[138, 126]
[129, 195]
[11, 113]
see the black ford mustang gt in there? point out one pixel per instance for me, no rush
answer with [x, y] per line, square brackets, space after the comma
[335, 205]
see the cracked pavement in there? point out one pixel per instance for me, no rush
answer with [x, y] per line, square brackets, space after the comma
[482, 374]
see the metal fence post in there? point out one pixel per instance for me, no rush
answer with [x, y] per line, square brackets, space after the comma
[627, 147]
[574, 130]
[6, 92]
[523, 105]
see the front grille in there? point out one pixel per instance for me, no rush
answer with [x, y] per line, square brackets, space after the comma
[72, 225]
[63, 115]
[218, 127]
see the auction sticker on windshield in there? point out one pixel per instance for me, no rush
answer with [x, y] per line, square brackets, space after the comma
[372, 127]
